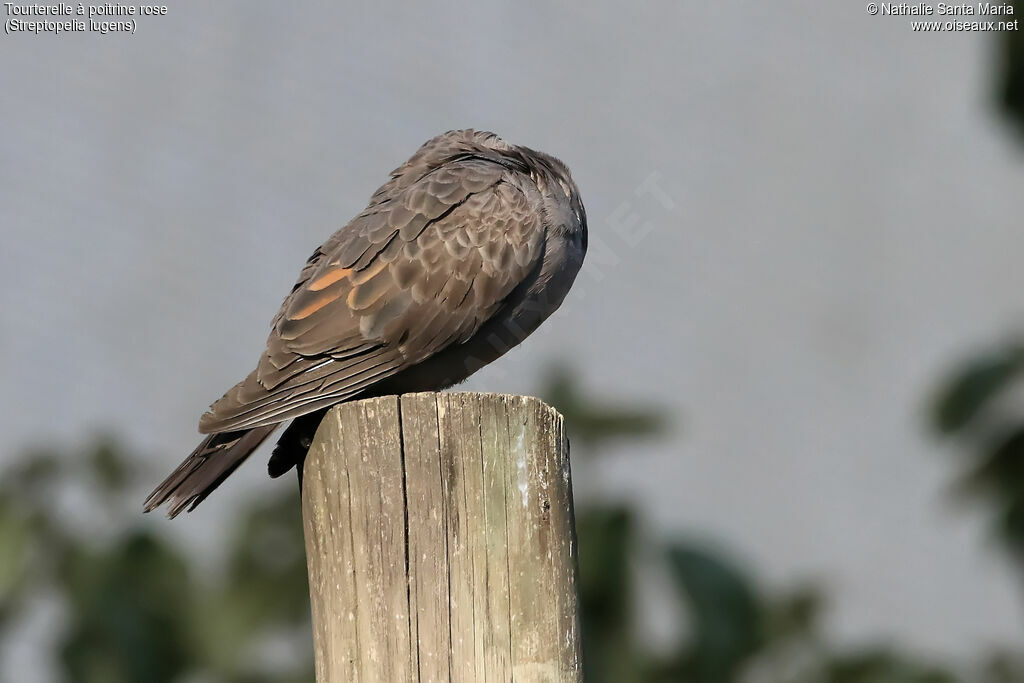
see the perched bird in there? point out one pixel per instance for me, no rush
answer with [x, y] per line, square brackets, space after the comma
[468, 247]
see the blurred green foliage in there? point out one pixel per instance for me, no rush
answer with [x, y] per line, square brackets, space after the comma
[139, 608]
[979, 405]
[730, 628]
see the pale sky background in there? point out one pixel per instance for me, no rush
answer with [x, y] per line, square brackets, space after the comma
[843, 224]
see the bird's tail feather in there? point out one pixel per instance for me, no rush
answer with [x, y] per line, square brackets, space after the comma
[217, 456]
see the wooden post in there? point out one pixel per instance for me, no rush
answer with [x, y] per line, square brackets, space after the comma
[440, 541]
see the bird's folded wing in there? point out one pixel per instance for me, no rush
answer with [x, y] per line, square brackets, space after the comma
[422, 268]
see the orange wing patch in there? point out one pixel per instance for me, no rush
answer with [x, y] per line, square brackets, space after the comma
[328, 279]
[366, 274]
[314, 306]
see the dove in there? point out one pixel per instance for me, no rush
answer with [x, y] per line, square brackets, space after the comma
[465, 250]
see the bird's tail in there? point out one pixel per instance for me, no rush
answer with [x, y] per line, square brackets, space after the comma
[217, 456]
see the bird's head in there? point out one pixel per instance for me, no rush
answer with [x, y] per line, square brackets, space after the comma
[563, 204]
[563, 207]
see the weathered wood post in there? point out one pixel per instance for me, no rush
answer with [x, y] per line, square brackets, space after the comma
[440, 541]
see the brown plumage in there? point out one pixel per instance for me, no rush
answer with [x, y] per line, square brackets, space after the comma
[466, 249]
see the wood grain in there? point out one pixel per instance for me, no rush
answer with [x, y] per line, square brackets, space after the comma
[440, 541]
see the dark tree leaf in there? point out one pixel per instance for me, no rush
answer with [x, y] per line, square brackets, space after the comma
[128, 616]
[973, 387]
[1011, 71]
[725, 613]
[597, 423]
[607, 539]
[110, 465]
[15, 540]
[884, 666]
